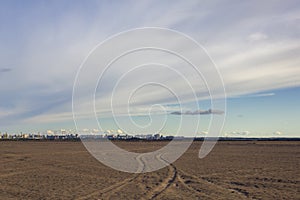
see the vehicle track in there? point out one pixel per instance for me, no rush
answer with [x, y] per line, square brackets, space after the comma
[193, 189]
[206, 190]
[206, 185]
[172, 174]
[107, 192]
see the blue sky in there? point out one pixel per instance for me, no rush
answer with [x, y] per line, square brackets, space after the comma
[254, 44]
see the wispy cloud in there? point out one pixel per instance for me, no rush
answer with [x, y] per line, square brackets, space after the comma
[262, 95]
[254, 95]
[48, 51]
[2, 70]
[257, 36]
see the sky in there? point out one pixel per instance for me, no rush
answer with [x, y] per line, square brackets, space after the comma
[254, 44]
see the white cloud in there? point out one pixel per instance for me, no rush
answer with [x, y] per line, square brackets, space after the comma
[263, 94]
[204, 132]
[278, 133]
[257, 36]
[96, 131]
[269, 94]
[237, 133]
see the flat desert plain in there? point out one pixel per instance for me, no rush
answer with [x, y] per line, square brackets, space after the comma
[233, 170]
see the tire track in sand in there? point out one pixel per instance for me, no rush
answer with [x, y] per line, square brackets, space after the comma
[207, 188]
[172, 174]
[107, 192]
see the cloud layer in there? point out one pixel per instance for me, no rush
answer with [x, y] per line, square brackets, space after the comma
[198, 112]
[255, 46]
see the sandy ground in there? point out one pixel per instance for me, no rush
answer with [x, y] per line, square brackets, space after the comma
[233, 170]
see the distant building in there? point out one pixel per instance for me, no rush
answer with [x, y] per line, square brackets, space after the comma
[156, 136]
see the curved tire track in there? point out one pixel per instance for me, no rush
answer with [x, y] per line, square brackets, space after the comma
[117, 186]
[172, 175]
